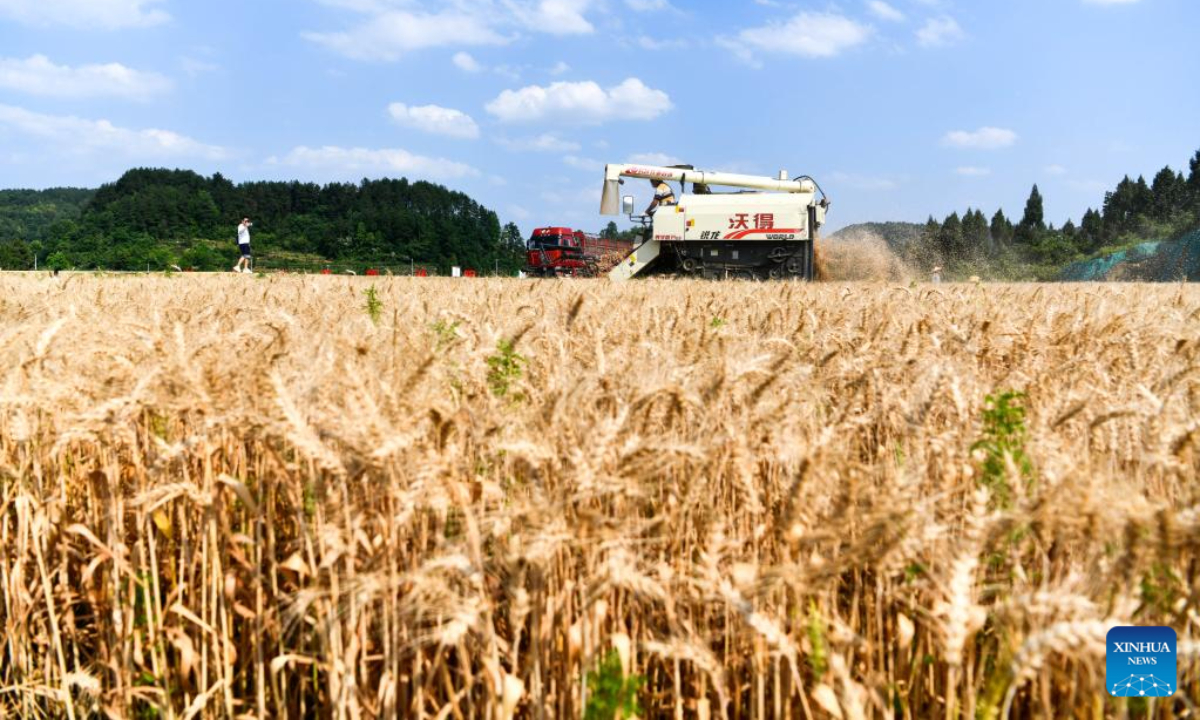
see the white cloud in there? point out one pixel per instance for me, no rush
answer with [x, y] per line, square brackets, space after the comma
[648, 5]
[389, 29]
[434, 119]
[970, 171]
[554, 17]
[883, 11]
[813, 35]
[646, 42]
[560, 68]
[940, 31]
[389, 35]
[356, 163]
[75, 135]
[546, 142]
[463, 61]
[653, 158]
[37, 75]
[985, 138]
[580, 103]
[467, 63]
[86, 14]
[1055, 170]
[364, 6]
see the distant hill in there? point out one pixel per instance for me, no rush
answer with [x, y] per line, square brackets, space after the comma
[897, 235]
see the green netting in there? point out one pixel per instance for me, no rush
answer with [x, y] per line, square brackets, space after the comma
[1181, 259]
[1169, 261]
[1100, 268]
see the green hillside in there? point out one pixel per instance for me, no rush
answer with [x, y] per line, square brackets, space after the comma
[30, 218]
[158, 218]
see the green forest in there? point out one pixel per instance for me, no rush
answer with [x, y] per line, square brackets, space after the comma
[1166, 208]
[157, 218]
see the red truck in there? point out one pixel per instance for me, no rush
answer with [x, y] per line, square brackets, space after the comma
[559, 251]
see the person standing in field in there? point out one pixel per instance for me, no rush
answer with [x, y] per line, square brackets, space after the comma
[243, 238]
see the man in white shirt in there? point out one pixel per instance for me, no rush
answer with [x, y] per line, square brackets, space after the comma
[243, 237]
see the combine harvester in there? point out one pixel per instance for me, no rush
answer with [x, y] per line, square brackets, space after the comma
[766, 230]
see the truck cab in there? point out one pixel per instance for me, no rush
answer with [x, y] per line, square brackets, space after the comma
[553, 251]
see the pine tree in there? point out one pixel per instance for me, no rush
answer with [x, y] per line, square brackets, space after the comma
[975, 234]
[1091, 231]
[1001, 232]
[950, 238]
[1193, 184]
[1167, 193]
[512, 248]
[1143, 202]
[1118, 209]
[510, 237]
[1033, 223]
[926, 253]
[932, 229]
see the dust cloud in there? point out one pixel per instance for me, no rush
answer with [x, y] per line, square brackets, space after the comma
[861, 255]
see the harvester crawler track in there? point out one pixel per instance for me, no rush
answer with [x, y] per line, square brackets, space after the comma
[741, 260]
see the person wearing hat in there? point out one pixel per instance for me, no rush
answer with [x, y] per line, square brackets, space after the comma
[663, 195]
[936, 277]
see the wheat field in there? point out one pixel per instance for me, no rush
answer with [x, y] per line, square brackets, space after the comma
[228, 496]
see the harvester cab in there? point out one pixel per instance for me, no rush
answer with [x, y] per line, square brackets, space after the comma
[766, 229]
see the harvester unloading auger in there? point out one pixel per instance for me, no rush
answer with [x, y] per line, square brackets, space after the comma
[766, 230]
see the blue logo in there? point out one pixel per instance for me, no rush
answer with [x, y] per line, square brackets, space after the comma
[1141, 662]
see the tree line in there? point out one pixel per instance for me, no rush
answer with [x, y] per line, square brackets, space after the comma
[159, 218]
[1133, 212]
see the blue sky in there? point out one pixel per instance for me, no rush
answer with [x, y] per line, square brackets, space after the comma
[900, 109]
